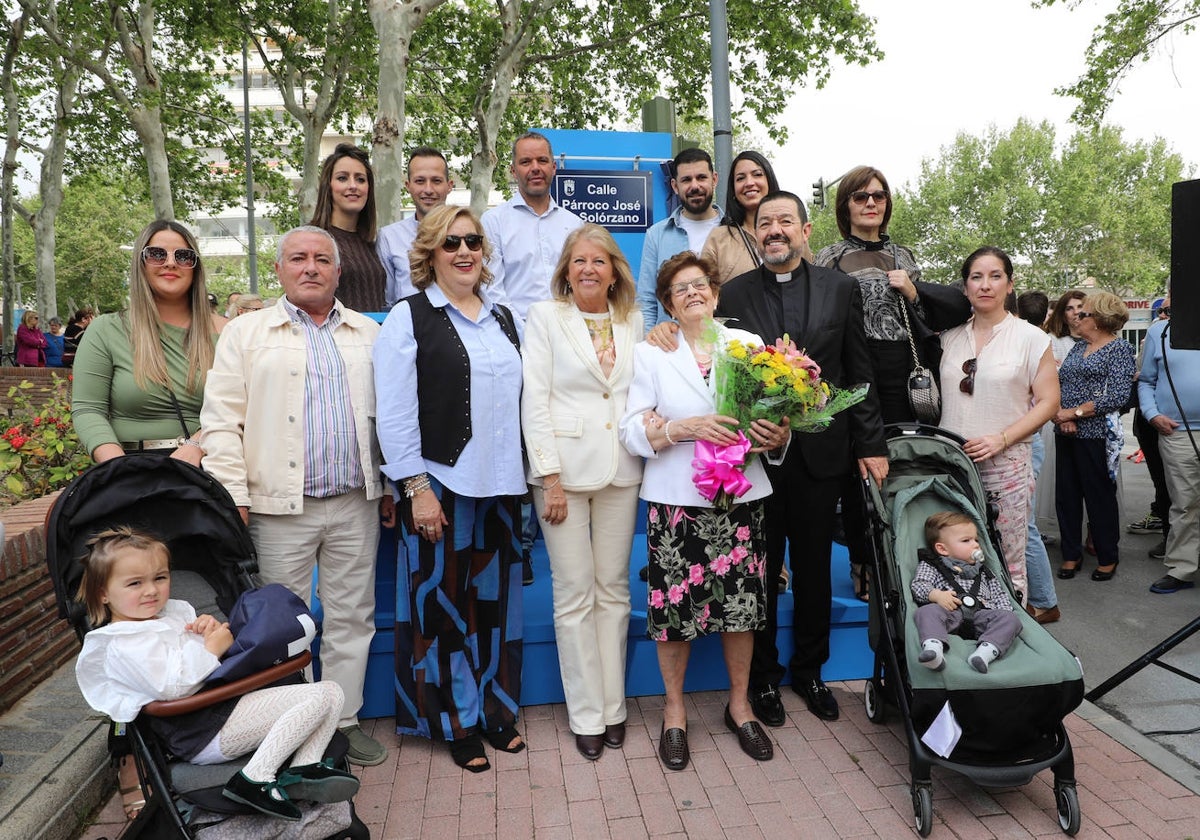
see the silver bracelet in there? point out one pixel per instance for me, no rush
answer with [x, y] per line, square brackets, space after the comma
[547, 486]
[416, 484]
[667, 432]
[191, 442]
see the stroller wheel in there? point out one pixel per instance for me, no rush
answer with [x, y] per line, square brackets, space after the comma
[1069, 815]
[922, 798]
[874, 702]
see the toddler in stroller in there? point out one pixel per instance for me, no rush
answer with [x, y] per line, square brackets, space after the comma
[959, 594]
[148, 647]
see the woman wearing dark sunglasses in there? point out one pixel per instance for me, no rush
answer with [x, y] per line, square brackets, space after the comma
[139, 375]
[896, 302]
[448, 391]
[999, 387]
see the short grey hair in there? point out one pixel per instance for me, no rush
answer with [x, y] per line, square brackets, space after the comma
[337, 257]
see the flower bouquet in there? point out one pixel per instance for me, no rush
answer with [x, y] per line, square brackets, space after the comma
[767, 382]
[775, 381]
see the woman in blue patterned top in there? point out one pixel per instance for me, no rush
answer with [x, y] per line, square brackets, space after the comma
[1095, 380]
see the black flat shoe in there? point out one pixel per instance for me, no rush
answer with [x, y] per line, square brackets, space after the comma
[502, 738]
[1065, 572]
[1101, 575]
[318, 783]
[590, 746]
[673, 748]
[466, 750]
[819, 698]
[768, 706]
[265, 797]
[752, 738]
[614, 735]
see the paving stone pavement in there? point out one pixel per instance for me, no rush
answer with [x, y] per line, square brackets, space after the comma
[844, 779]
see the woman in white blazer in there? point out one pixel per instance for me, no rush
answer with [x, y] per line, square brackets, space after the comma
[578, 361]
[706, 564]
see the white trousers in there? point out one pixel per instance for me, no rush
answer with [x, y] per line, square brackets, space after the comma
[339, 536]
[589, 566]
[1183, 481]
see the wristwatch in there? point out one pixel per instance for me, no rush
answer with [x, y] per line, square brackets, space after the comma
[1079, 412]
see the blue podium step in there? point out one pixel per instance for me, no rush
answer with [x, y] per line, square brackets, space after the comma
[850, 654]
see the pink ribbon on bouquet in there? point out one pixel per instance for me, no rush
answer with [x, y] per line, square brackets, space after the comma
[719, 468]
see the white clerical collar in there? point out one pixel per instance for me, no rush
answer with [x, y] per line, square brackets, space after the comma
[783, 278]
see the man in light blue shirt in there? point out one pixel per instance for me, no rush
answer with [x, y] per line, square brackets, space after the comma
[528, 231]
[429, 183]
[686, 229]
[1169, 398]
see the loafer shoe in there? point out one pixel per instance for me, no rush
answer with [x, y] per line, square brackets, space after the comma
[265, 797]
[768, 706]
[614, 735]
[673, 748]
[318, 783]
[1166, 584]
[819, 698]
[751, 738]
[589, 746]
[364, 750]
[1047, 615]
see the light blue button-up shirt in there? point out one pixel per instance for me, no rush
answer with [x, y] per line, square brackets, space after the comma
[491, 463]
[525, 250]
[393, 244]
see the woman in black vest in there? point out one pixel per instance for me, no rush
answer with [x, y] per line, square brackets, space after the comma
[448, 388]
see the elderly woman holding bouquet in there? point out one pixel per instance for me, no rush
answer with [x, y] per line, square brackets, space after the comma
[578, 363]
[706, 560]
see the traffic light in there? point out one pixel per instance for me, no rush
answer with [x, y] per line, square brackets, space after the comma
[819, 193]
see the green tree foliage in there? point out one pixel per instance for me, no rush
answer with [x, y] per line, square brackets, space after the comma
[101, 214]
[1130, 33]
[592, 65]
[1099, 207]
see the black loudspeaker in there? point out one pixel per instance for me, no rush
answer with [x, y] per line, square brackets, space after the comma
[1185, 265]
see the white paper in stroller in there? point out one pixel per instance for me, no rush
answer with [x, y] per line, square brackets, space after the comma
[943, 734]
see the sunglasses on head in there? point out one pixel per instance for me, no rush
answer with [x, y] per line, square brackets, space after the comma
[184, 257]
[474, 242]
[861, 196]
[967, 386]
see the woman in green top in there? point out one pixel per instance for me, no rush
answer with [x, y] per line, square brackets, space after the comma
[139, 374]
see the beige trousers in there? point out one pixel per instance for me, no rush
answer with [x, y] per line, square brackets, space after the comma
[589, 566]
[339, 536]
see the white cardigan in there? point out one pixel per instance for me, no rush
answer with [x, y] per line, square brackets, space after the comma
[570, 410]
[671, 384]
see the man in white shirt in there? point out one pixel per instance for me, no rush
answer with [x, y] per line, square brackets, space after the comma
[429, 183]
[686, 229]
[528, 231]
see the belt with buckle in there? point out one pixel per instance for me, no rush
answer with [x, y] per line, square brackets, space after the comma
[152, 445]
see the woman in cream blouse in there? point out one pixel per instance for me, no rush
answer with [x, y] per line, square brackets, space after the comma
[578, 362]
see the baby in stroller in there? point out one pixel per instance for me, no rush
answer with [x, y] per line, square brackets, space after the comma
[959, 594]
[147, 647]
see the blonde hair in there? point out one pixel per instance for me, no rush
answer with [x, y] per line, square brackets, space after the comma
[29, 317]
[430, 236]
[622, 295]
[1108, 311]
[146, 328]
[104, 550]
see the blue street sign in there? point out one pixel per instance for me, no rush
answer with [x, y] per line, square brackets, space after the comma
[621, 201]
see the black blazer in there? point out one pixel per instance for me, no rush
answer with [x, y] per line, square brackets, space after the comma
[826, 307]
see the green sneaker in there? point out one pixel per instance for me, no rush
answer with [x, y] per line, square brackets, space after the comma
[364, 750]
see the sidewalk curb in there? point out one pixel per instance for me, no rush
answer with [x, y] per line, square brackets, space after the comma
[53, 799]
[1154, 753]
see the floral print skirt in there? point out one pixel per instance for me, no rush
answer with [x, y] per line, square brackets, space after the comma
[706, 571]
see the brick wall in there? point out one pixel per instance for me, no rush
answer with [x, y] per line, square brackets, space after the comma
[40, 377]
[34, 641]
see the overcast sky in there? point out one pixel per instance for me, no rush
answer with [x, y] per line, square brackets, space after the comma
[962, 65]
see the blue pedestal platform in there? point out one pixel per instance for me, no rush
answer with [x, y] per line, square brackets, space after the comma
[850, 655]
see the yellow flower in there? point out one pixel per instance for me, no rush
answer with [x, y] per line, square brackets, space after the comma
[737, 350]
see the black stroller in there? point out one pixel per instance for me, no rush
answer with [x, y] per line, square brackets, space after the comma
[1011, 718]
[213, 562]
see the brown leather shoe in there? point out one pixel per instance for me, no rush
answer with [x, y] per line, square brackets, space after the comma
[590, 746]
[614, 735]
[1043, 616]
